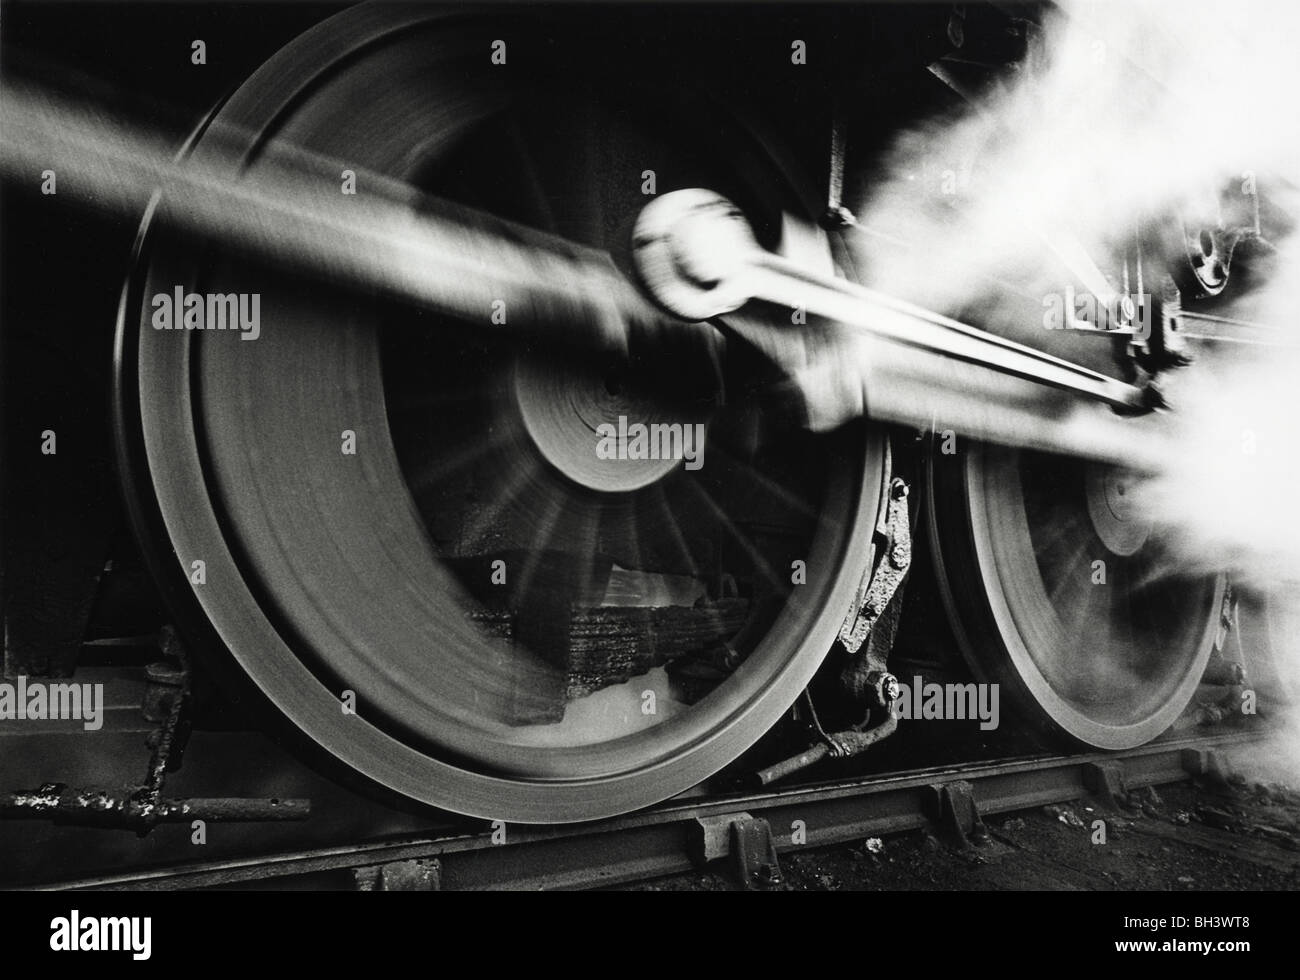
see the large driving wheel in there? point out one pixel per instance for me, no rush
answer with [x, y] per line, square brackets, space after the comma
[1061, 592]
[527, 629]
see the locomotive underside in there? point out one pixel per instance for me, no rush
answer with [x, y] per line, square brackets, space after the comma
[425, 413]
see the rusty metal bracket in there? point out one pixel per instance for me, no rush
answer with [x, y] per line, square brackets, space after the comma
[872, 619]
[1207, 765]
[877, 606]
[846, 744]
[879, 584]
[753, 855]
[141, 808]
[167, 743]
[834, 745]
[1105, 780]
[747, 841]
[953, 806]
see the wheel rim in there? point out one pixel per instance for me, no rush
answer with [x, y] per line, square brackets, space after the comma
[301, 612]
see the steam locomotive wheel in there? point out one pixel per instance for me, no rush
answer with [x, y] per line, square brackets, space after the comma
[469, 605]
[1267, 626]
[1060, 592]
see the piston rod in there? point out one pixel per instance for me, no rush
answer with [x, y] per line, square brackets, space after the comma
[698, 256]
[881, 356]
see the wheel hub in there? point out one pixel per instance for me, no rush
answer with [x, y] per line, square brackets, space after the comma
[609, 428]
[1113, 505]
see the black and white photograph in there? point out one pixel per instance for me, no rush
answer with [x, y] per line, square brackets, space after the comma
[650, 448]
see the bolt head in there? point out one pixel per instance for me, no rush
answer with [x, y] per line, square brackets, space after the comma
[889, 688]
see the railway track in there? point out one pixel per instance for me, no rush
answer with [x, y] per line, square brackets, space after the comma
[748, 830]
[588, 447]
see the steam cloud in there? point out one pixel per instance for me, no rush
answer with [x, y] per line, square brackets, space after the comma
[1124, 113]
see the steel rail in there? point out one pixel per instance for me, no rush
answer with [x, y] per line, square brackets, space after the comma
[672, 837]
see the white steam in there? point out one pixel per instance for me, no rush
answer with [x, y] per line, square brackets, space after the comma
[1126, 112]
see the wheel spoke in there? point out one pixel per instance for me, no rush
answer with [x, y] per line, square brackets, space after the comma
[521, 151]
[755, 556]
